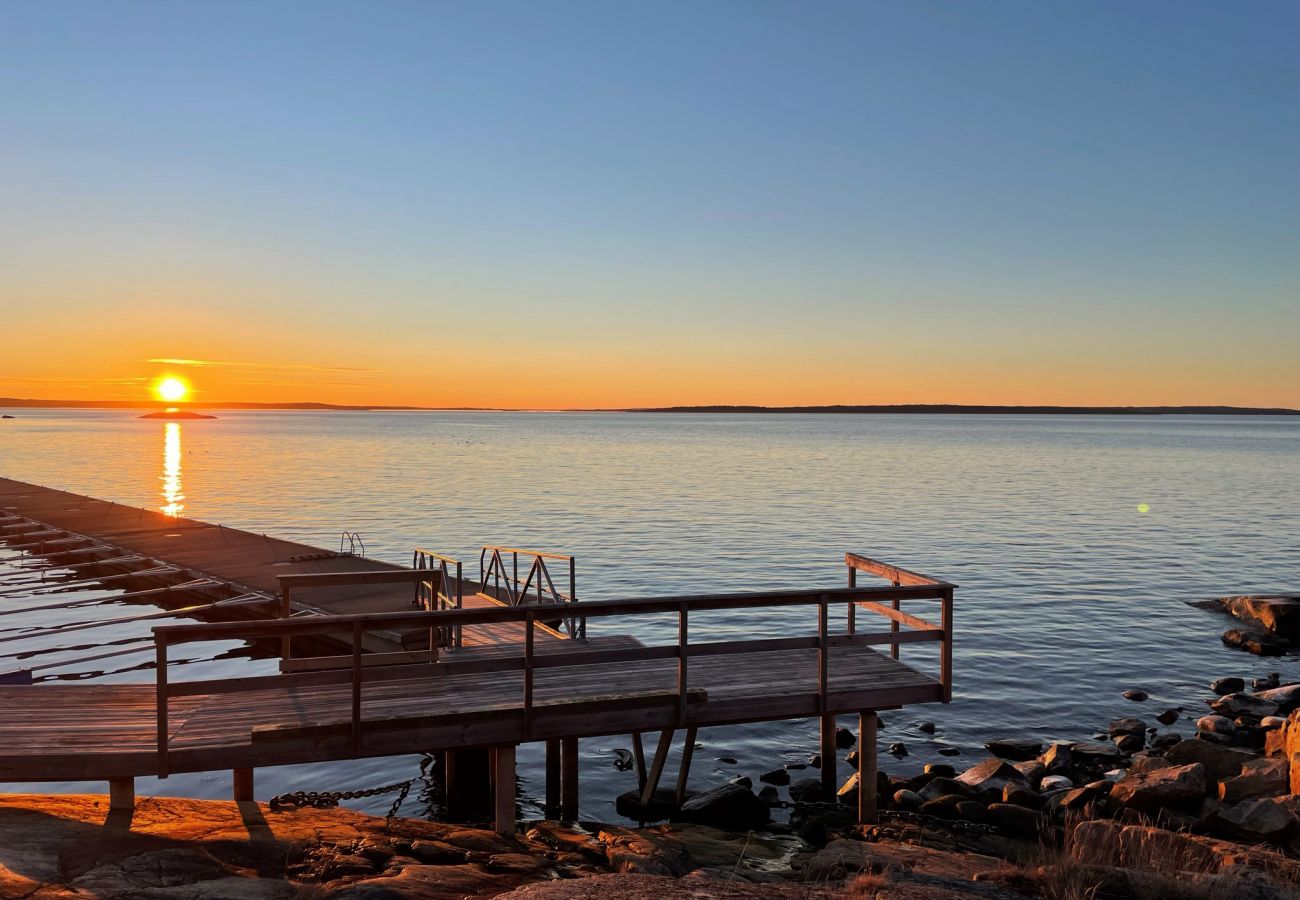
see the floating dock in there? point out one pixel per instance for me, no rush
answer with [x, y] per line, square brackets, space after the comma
[423, 659]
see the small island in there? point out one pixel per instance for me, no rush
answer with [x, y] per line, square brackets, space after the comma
[172, 414]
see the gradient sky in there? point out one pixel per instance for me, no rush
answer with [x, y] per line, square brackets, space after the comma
[556, 204]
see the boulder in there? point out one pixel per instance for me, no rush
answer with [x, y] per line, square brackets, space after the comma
[1127, 726]
[848, 792]
[1258, 643]
[926, 728]
[1020, 795]
[1259, 778]
[1272, 819]
[949, 751]
[1014, 819]
[729, 806]
[1014, 749]
[1136, 695]
[1220, 726]
[844, 739]
[989, 778]
[1033, 770]
[1145, 764]
[1058, 759]
[769, 795]
[1279, 614]
[1095, 753]
[1231, 685]
[808, 790]
[908, 800]
[944, 787]
[898, 749]
[1130, 743]
[1241, 704]
[1287, 698]
[1168, 717]
[1172, 787]
[1055, 783]
[1219, 762]
[940, 770]
[776, 776]
[662, 804]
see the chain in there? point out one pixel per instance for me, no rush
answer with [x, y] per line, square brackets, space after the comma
[936, 822]
[327, 799]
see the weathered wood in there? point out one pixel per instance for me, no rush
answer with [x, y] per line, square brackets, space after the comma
[888, 572]
[828, 754]
[569, 779]
[503, 788]
[242, 784]
[638, 758]
[684, 770]
[552, 777]
[867, 801]
[121, 793]
[656, 770]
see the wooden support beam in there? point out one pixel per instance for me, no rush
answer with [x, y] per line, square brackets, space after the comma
[656, 770]
[638, 754]
[553, 778]
[569, 779]
[503, 758]
[828, 751]
[867, 802]
[684, 770]
[242, 780]
[121, 793]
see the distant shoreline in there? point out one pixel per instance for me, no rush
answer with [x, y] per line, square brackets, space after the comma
[885, 409]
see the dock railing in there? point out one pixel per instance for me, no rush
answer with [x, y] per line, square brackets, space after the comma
[528, 660]
[446, 593]
[503, 584]
[856, 563]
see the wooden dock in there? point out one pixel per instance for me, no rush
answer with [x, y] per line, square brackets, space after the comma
[490, 669]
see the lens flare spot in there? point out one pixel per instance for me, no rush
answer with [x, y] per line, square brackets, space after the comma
[1144, 508]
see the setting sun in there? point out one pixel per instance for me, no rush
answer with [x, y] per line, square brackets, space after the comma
[171, 389]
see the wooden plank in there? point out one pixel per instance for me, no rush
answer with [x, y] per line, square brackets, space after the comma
[503, 788]
[867, 749]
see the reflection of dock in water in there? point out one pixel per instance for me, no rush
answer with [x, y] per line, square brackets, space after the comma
[381, 660]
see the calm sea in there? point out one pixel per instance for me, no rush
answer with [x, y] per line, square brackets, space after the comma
[1076, 543]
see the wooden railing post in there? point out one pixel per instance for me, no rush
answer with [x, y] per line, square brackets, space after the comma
[853, 606]
[893, 626]
[945, 660]
[683, 631]
[529, 619]
[286, 610]
[161, 652]
[356, 689]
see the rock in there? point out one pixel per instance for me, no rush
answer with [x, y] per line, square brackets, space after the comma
[776, 776]
[1055, 783]
[1220, 725]
[769, 795]
[989, 778]
[797, 767]
[1272, 819]
[898, 749]
[1168, 717]
[1279, 614]
[1260, 644]
[1165, 740]
[729, 760]
[1078, 799]
[1020, 795]
[1013, 749]
[1219, 762]
[852, 759]
[1172, 787]
[1267, 683]
[1058, 759]
[848, 792]
[1033, 770]
[944, 787]
[1240, 704]
[940, 770]
[844, 739]
[1135, 695]
[1231, 685]
[815, 760]
[1014, 819]
[909, 800]
[662, 803]
[1130, 743]
[949, 751]
[729, 806]
[808, 790]
[926, 728]
[744, 781]
[1143, 765]
[1272, 723]
[1287, 698]
[1127, 726]
[1259, 778]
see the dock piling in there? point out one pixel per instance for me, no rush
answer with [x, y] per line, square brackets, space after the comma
[867, 724]
[828, 751]
[121, 793]
[503, 788]
[242, 785]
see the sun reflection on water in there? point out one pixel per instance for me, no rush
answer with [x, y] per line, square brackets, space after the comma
[171, 476]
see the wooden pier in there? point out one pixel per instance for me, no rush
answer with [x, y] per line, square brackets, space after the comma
[421, 665]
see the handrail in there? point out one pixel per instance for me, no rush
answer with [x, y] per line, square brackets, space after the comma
[492, 569]
[356, 624]
[428, 597]
[354, 539]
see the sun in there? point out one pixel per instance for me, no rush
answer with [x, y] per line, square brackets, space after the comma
[171, 389]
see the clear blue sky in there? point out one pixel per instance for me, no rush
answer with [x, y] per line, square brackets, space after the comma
[671, 202]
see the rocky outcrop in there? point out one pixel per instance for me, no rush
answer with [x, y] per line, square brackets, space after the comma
[1171, 787]
[1279, 614]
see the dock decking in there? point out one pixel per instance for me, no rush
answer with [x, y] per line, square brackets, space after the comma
[492, 673]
